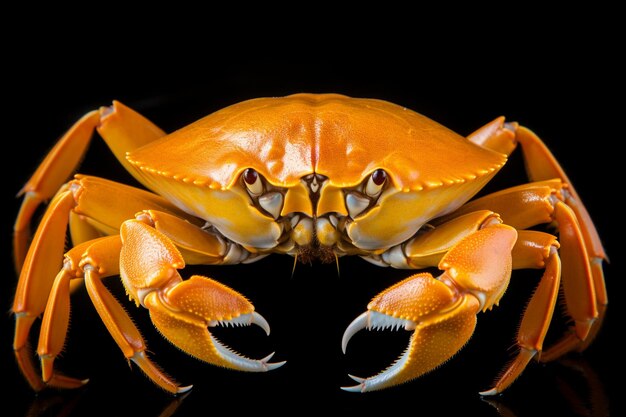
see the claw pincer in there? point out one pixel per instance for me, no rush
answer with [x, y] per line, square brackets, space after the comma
[440, 312]
[183, 310]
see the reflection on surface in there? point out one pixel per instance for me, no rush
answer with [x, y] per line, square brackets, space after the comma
[502, 409]
[595, 403]
[171, 408]
[62, 404]
[579, 385]
[53, 402]
[567, 387]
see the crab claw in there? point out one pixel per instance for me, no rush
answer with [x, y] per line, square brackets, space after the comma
[441, 312]
[184, 310]
[441, 320]
[184, 313]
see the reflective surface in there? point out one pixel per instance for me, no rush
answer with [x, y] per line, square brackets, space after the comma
[308, 313]
[309, 309]
[583, 397]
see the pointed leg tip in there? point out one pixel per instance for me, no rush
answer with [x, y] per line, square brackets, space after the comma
[26, 365]
[47, 368]
[489, 393]
[65, 382]
[36, 384]
[182, 390]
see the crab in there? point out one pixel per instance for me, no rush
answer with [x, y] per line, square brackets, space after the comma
[317, 177]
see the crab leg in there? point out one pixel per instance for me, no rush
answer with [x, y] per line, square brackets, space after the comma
[539, 250]
[96, 210]
[103, 254]
[197, 246]
[122, 129]
[124, 332]
[538, 314]
[428, 248]
[86, 201]
[55, 169]
[542, 166]
[578, 285]
[531, 204]
[36, 279]
[497, 136]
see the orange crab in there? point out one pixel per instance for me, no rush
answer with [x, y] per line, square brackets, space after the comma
[314, 177]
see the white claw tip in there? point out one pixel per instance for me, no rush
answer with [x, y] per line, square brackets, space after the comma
[489, 393]
[357, 324]
[182, 390]
[260, 321]
[355, 388]
[275, 365]
[271, 366]
[356, 378]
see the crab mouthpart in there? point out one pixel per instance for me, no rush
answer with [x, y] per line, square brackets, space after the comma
[237, 360]
[372, 320]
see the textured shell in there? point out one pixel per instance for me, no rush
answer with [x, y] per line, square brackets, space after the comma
[342, 138]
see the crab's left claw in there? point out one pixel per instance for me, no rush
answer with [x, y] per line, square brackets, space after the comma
[441, 312]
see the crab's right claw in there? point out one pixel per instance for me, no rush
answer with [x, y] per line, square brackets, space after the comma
[441, 323]
[184, 310]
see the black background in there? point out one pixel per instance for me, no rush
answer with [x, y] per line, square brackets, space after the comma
[558, 77]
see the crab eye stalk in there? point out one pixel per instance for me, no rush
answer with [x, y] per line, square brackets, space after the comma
[375, 183]
[253, 182]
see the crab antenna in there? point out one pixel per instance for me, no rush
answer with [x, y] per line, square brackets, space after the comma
[337, 263]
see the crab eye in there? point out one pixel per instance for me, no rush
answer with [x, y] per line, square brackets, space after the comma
[253, 181]
[375, 183]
